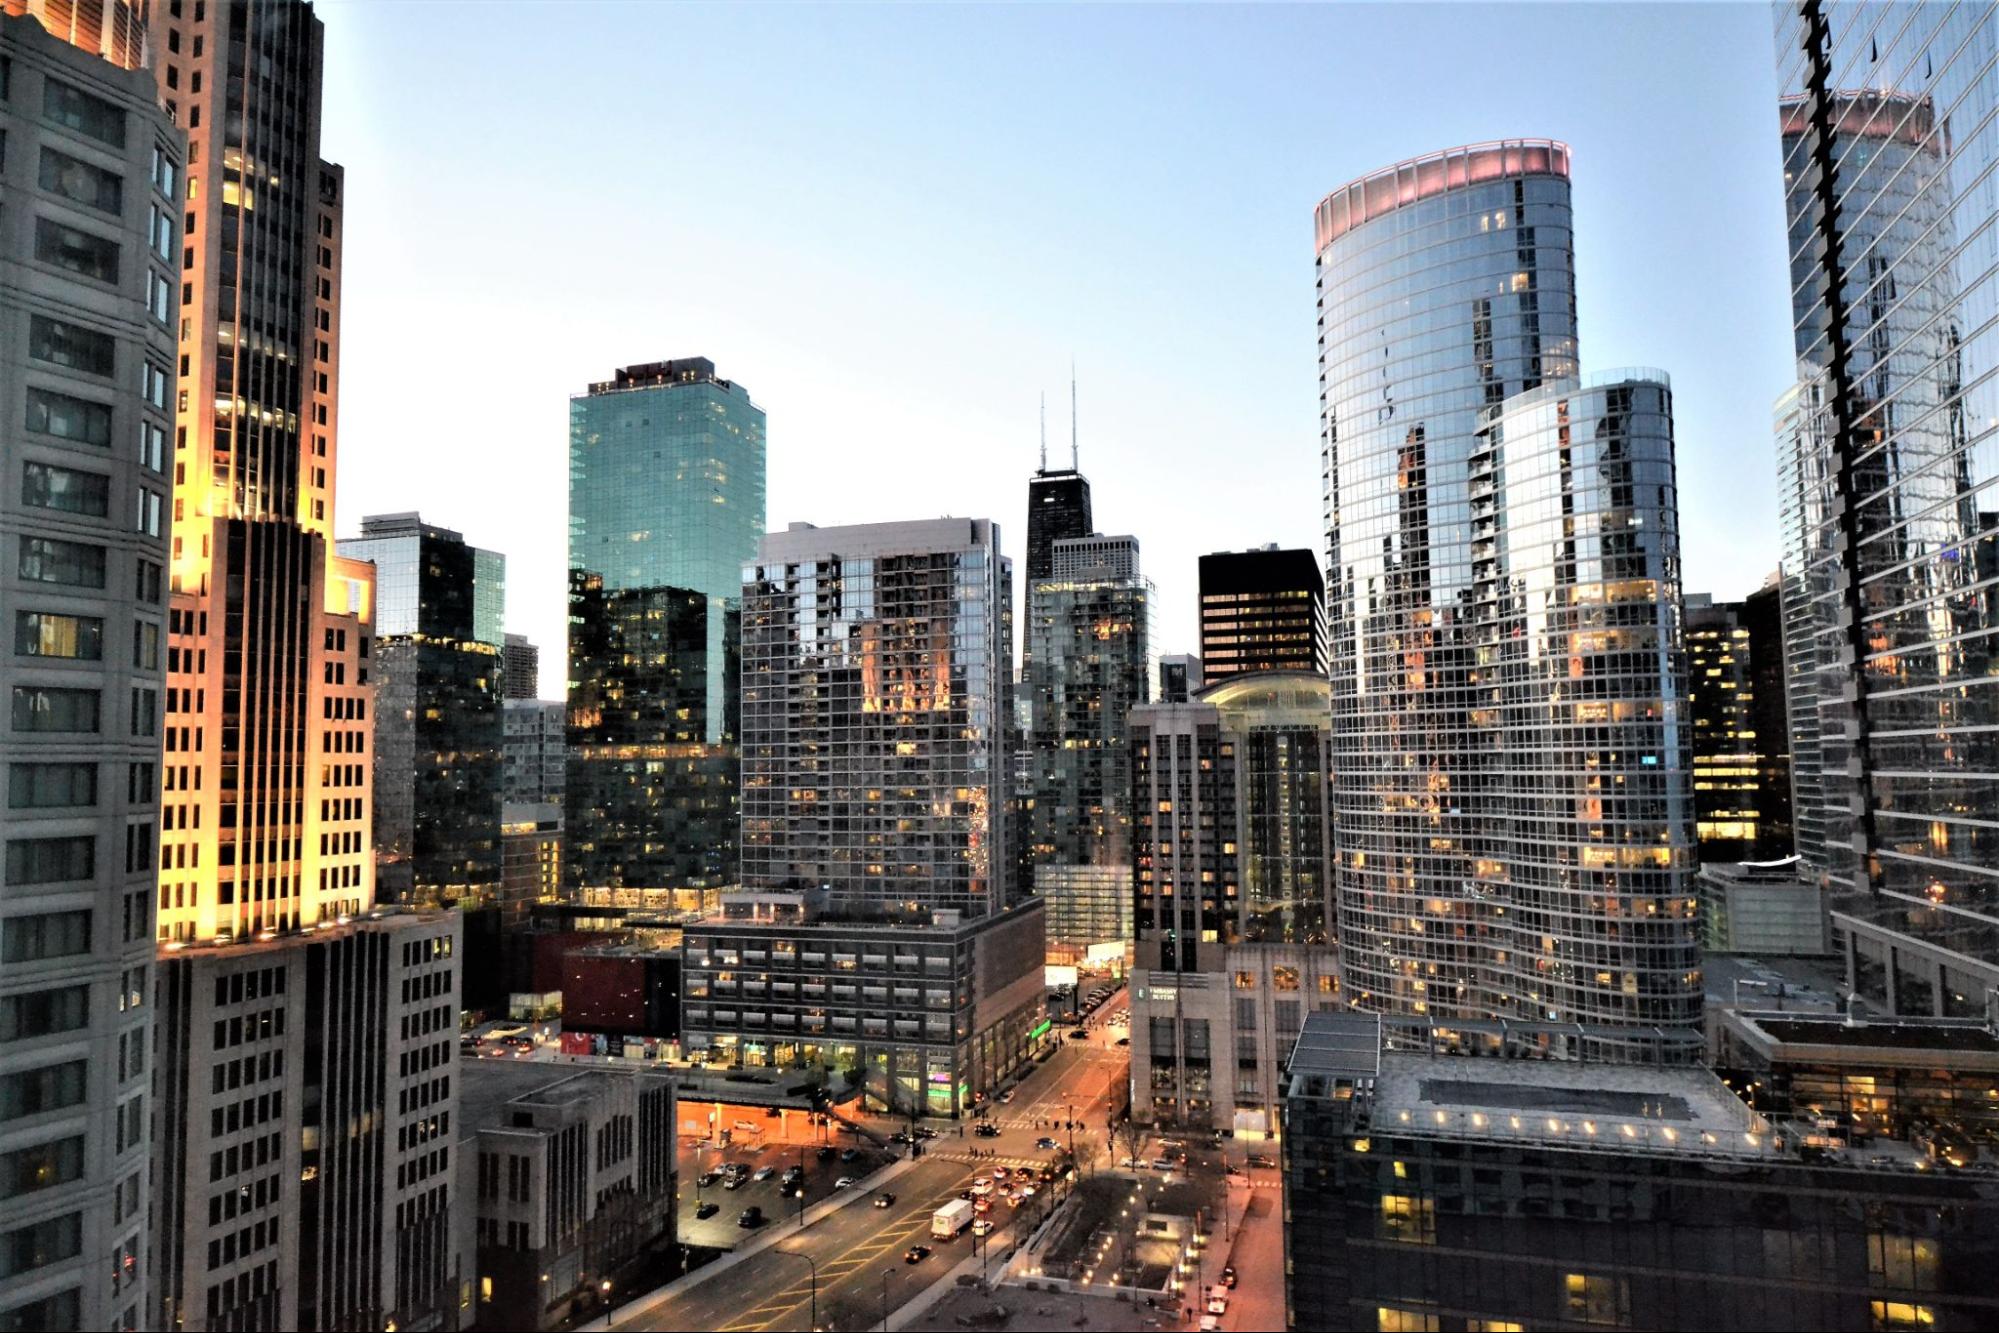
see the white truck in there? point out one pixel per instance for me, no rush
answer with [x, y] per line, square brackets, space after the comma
[952, 1218]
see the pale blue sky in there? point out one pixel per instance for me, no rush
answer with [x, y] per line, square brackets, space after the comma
[895, 225]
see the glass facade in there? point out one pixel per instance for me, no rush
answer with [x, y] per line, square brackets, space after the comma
[874, 742]
[1058, 507]
[1888, 461]
[1088, 664]
[439, 735]
[1513, 813]
[666, 503]
[1741, 770]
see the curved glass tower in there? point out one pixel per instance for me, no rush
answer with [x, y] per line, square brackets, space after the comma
[1510, 786]
[1888, 461]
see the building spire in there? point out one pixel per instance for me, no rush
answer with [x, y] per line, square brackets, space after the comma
[1074, 466]
[1044, 430]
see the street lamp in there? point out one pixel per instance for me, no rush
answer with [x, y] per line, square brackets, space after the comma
[887, 1273]
[815, 1281]
[610, 1315]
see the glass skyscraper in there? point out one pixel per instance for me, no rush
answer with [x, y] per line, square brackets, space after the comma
[1512, 802]
[666, 505]
[1888, 460]
[439, 735]
[1089, 634]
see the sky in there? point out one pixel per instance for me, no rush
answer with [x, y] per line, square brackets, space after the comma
[897, 225]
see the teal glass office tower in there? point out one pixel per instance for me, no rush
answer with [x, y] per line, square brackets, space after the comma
[666, 506]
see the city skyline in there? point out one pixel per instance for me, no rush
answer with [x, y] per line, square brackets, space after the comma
[935, 318]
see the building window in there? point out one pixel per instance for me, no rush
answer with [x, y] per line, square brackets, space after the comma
[47, 560]
[1391, 1320]
[51, 860]
[1596, 1300]
[81, 183]
[77, 110]
[81, 252]
[1411, 1219]
[70, 345]
[42, 708]
[29, 939]
[45, 786]
[46, 486]
[44, 1013]
[51, 634]
[37, 1091]
[68, 418]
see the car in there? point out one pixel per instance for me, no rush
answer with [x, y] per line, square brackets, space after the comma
[1001, 1172]
[850, 1154]
[794, 1173]
[925, 1132]
[1006, 1096]
[764, 1173]
[1124, 1041]
[1228, 1277]
[982, 1204]
[986, 1129]
[825, 1153]
[844, 1182]
[751, 1216]
[981, 1226]
[982, 1187]
[1258, 1159]
[901, 1136]
[916, 1254]
[1079, 1035]
[705, 1210]
[1046, 1144]
[1211, 1323]
[1047, 1174]
[709, 1178]
[1162, 1164]
[1218, 1302]
[1027, 1192]
[884, 1200]
[735, 1182]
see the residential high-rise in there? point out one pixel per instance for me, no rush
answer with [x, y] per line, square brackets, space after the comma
[1886, 479]
[535, 750]
[520, 668]
[666, 503]
[1513, 805]
[874, 739]
[305, 1043]
[1088, 664]
[438, 731]
[1232, 874]
[1262, 610]
[91, 176]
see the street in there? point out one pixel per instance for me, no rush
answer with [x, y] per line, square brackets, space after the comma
[858, 1249]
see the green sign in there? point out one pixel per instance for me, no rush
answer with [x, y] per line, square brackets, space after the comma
[1040, 1030]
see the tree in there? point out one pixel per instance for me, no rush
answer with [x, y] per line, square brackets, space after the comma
[1130, 1136]
[1087, 1151]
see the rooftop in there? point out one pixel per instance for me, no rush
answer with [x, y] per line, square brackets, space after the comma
[1437, 173]
[1663, 1108]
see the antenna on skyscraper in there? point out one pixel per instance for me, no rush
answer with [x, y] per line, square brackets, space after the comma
[1074, 466]
[1044, 430]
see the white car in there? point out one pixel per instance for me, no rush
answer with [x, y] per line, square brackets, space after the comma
[764, 1173]
[843, 1182]
[1218, 1301]
[981, 1226]
[1210, 1323]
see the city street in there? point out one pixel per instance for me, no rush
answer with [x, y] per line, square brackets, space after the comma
[858, 1249]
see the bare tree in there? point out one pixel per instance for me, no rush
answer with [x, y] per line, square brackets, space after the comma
[1130, 1136]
